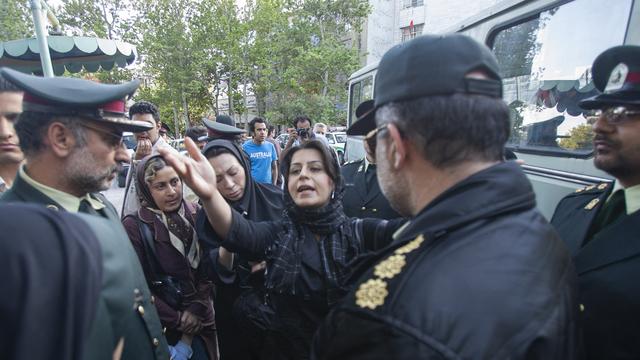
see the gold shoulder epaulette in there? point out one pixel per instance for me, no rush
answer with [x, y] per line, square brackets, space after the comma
[373, 292]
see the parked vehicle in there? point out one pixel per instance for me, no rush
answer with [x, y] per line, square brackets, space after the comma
[337, 141]
[178, 144]
[545, 49]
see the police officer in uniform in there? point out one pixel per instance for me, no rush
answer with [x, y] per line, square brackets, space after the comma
[600, 223]
[223, 128]
[477, 272]
[362, 197]
[71, 132]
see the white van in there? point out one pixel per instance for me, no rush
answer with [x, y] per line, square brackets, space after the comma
[545, 49]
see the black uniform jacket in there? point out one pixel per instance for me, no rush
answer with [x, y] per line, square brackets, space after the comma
[477, 274]
[608, 267]
[125, 308]
[357, 201]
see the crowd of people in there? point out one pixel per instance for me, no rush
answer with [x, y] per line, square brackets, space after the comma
[430, 247]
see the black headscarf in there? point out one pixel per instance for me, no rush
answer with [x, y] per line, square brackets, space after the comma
[51, 274]
[260, 202]
[337, 248]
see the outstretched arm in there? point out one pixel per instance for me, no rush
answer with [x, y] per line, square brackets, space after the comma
[198, 174]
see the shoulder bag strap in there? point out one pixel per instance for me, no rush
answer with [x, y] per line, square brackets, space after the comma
[150, 249]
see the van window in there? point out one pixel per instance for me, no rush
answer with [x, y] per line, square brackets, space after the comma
[361, 90]
[546, 66]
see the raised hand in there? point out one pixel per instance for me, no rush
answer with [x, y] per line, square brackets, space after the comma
[195, 170]
[143, 149]
[198, 174]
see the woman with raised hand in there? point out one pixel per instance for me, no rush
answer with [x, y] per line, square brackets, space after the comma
[309, 251]
[241, 315]
[163, 236]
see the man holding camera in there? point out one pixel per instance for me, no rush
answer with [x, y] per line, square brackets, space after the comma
[301, 132]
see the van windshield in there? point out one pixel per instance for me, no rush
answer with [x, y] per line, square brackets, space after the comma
[546, 67]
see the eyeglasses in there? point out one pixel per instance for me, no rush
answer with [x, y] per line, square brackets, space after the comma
[112, 139]
[613, 115]
[372, 138]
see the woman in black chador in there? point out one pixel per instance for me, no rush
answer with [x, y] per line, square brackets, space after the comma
[241, 313]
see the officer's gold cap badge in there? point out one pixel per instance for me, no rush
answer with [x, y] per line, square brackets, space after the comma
[373, 292]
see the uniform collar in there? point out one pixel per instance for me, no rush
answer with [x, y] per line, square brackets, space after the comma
[631, 196]
[398, 232]
[3, 185]
[366, 164]
[67, 201]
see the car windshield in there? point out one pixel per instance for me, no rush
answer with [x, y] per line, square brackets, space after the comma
[341, 138]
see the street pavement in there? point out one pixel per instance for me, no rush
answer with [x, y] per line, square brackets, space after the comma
[115, 195]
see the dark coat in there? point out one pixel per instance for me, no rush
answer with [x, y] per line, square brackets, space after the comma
[46, 308]
[477, 274]
[173, 263]
[124, 297]
[297, 316]
[357, 201]
[607, 265]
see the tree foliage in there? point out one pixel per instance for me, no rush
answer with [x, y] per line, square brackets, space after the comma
[580, 137]
[293, 55]
[15, 20]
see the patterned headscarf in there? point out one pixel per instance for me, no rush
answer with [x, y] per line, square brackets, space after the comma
[181, 232]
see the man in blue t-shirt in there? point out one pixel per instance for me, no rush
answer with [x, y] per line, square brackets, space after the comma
[262, 153]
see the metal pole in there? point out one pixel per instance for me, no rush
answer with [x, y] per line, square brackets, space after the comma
[41, 36]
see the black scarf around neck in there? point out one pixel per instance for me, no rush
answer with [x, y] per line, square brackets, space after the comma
[337, 245]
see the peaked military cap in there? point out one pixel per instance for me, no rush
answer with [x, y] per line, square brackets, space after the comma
[431, 65]
[616, 73]
[102, 103]
[223, 124]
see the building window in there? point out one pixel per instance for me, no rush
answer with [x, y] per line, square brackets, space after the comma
[411, 32]
[412, 3]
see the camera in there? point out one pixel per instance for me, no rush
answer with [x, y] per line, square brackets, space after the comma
[303, 133]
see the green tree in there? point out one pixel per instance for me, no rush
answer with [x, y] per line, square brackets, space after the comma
[15, 20]
[294, 55]
[101, 18]
[580, 137]
[309, 61]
